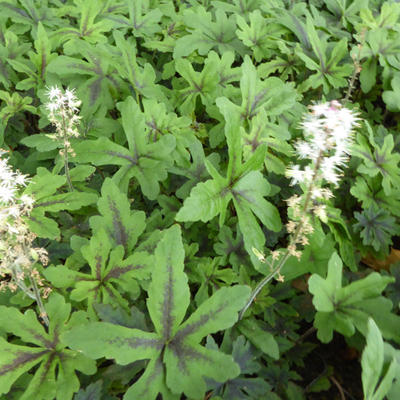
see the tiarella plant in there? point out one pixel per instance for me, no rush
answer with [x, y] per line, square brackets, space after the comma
[179, 236]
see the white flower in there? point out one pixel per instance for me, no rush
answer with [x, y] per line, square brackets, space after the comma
[328, 131]
[53, 92]
[7, 194]
[296, 174]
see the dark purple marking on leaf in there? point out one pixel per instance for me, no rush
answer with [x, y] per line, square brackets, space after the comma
[33, 219]
[46, 343]
[69, 31]
[3, 70]
[116, 272]
[46, 369]
[48, 203]
[98, 259]
[239, 195]
[301, 30]
[15, 9]
[95, 89]
[118, 19]
[113, 80]
[138, 85]
[84, 25]
[184, 353]
[191, 328]
[132, 160]
[96, 62]
[250, 112]
[108, 290]
[137, 342]
[227, 78]
[168, 302]
[90, 70]
[120, 234]
[44, 64]
[149, 381]
[33, 13]
[23, 358]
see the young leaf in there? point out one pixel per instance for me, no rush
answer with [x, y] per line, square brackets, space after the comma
[110, 273]
[329, 71]
[178, 363]
[347, 308]
[205, 34]
[122, 225]
[372, 365]
[201, 84]
[143, 78]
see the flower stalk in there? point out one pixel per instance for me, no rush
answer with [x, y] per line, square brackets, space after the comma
[328, 132]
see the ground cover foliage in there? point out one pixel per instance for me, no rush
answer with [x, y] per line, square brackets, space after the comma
[130, 255]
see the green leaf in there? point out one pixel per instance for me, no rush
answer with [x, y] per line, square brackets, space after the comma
[92, 392]
[41, 142]
[376, 228]
[55, 377]
[169, 295]
[383, 160]
[272, 94]
[201, 84]
[244, 185]
[260, 35]
[206, 201]
[122, 225]
[42, 188]
[372, 365]
[205, 34]
[348, 308]
[110, 273]
[260, 338]
[145, 160]
[141, 78]
[392, 97]
[92, 73]
[330, 71]
[178, 363]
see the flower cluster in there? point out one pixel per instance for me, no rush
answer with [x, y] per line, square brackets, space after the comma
[63, 110]
[17, 255]
[328, 134]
